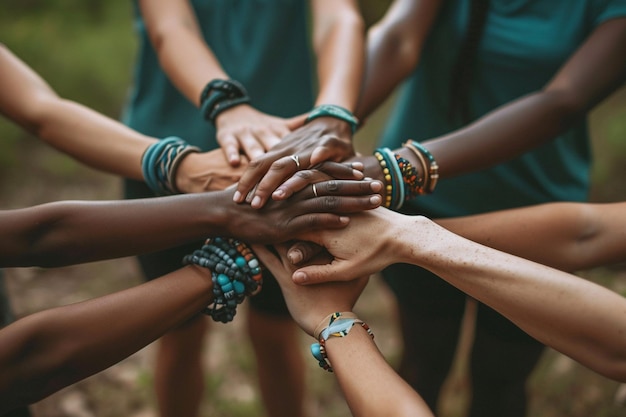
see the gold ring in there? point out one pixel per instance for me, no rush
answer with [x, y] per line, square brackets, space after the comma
[314, 190]
[296, 160]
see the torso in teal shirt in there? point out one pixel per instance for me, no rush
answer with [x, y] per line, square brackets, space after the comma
[264, 44]
[524, 44]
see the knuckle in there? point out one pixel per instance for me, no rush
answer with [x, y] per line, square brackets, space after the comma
[330, 203]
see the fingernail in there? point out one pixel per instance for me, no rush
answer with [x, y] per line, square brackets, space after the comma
[377, 185]
[236, 196]
[256, 201]
[299, 277]
[376, 199]
[295, 256]
[357, 174]
[278, 193]
[345, 219]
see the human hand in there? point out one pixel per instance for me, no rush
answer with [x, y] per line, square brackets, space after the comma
[316, 206]
[309, 305]
[207, 171]
[322, 139]
[383, 231]
[245, 130]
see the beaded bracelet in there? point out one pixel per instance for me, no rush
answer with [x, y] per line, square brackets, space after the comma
[220, 95]
[235, 272]
[430, 168]
[339, 325]
[332, 110]
[160, 161]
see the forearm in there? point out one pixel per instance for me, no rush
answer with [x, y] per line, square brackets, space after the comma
[576, 317]
[176, 37]
[339, 46]
[394, 46]
[566, 236]
[91, 138]
[375, 389]
[56, 234]
[49, 350]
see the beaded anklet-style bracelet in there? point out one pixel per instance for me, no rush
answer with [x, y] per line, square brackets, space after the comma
[235, 272]
[220, 95]
[332, 110]
[160, 161]
[339, 325]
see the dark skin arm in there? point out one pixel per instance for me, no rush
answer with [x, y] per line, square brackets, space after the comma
[593, 72]
[49, 350]
[65, 233]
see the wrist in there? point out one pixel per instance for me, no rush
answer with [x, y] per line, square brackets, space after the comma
[336, 112]
[221, 95]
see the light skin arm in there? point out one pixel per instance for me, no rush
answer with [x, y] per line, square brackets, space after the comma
[49, 350]
[338, 42]
[62, 233]
[359, 366]
[93, 138]
[176, 37]
[576, 317]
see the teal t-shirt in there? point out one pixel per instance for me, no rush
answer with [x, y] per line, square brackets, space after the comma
[264, 44]
[524, 44]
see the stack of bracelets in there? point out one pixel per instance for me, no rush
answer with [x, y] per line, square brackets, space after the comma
[402, 180]
[235, 272]
[339, 325]
[332, 110]
[159, 163]
[220, 95]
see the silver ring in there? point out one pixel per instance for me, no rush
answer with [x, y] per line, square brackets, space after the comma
[314, 190]
[295, 159]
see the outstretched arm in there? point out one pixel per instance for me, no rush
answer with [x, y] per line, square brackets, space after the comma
[338, 42]
[92, 138]
[370, 385]
[576, 317]
[49, 350]
[64, 233]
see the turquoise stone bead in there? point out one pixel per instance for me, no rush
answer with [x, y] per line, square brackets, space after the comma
[254, 263]
[240, 261]
[239, 287]
[227, 287]
[223, 279]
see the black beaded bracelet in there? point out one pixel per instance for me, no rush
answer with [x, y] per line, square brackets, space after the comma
[220, 95]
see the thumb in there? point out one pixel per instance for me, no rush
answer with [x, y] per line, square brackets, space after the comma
[297, 121]
[316, 274]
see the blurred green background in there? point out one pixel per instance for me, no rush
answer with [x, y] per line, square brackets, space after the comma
[85, 50]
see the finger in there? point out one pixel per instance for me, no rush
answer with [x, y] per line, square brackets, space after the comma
[316, 274]
[344, 204]
[269, 259]
[333, 149]
[230, 146]
[270, 138]
[255, 171]
[302, 252]
[343, 188]
[251, 146]
[279, 171]
[302, 179]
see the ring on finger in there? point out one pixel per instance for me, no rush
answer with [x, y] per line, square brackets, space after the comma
[296, 159]
[314, 190]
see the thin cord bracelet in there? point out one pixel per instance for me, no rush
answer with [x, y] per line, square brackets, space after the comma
[160, 161]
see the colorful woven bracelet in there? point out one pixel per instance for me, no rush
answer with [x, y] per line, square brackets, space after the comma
[220, 95]
[332, 110]
[235, 272]
[160, 161]
[339, 325]
[429, 165]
